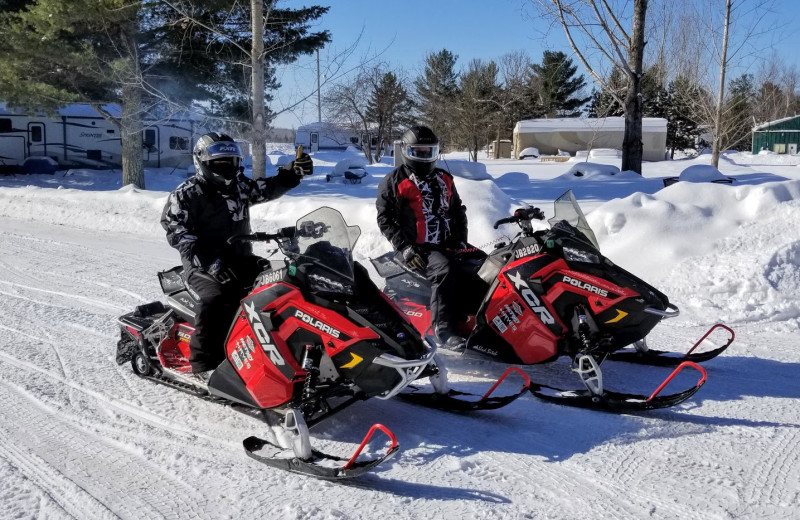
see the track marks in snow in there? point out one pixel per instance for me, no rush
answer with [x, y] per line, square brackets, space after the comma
[86, 476]
[777, 472]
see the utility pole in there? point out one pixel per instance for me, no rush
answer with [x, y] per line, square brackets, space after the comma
[319, 104]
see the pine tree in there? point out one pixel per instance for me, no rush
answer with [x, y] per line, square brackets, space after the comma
[556, 87]
[436, 92]
[738, 111]
[476, 108]
[683, 133]
[390, 109]
[605, 104]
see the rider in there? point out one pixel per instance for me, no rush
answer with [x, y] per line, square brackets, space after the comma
[420, 212]
[199, 217]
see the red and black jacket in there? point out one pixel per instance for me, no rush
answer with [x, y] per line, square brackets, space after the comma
[416, 210]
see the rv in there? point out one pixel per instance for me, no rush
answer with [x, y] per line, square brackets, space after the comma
[329, 136]
[78, 136]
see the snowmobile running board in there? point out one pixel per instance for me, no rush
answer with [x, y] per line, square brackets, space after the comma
[322, 465]
[621, 403]
[666, 359]
[452, 403]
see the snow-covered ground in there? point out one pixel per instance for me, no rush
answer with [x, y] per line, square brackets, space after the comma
[81, 437]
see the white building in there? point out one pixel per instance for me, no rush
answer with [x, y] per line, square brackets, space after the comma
[575, 134]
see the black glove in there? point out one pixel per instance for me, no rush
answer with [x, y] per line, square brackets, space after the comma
[413, 259]
[302, 165]
[219, 272]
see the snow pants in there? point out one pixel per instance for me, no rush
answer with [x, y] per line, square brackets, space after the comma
[218, 306]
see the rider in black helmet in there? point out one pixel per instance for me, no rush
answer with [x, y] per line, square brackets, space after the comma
[199, 217]
[217, 159]
[420, 212]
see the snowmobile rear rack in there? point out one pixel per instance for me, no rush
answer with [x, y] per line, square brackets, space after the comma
[453, 403]
[646, 356]
[322, 465]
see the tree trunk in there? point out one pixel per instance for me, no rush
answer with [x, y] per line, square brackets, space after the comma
[632, 141]
[259, 134]
[716, 147]
[131, 136]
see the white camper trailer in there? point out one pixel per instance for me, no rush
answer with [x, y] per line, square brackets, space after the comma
[329, 136]
[78, 136]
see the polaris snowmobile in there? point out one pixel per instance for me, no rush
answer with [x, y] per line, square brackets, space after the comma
[550, 293]
[313, 336]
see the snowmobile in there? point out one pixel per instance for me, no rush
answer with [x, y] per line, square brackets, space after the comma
[312, 337]
[550, 293]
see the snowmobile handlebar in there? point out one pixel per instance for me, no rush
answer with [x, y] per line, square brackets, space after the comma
[260, 236]
[521, 214]
[306, 229]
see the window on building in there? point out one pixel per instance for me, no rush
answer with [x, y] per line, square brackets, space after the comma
[149, 137]
[779, 148]
[178, 143]
[5, 124]
[36, 134]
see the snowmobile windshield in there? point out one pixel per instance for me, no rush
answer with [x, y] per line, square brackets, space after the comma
[322, 249]
[567, 208]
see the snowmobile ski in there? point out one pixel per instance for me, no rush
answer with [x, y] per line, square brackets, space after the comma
[646, 356]
[452, 400]
[619, 402]
[322, 465]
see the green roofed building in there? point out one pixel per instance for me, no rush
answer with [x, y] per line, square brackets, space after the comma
[781, 136]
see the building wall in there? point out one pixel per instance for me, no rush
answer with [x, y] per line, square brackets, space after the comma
[572, 138]
[781, 136]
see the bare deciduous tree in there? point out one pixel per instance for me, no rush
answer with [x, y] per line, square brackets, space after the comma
[599, 27]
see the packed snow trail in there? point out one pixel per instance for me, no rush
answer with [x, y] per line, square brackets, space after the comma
[82, 437]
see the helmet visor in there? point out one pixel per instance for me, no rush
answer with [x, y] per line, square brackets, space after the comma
[221, 149]
[425, 153]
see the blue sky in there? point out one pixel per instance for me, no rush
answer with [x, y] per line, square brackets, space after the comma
[402, 33]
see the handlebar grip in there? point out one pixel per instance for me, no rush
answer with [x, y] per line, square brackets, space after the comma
[503, 221]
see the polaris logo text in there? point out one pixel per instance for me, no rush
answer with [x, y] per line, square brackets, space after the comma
[262, 335]
[327, 329]
[527, 250]
[530, 298]
[585, 286]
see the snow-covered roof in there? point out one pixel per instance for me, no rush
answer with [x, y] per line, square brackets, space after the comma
[74, 110]
[764, 126]
[86, 110]
[585, 123]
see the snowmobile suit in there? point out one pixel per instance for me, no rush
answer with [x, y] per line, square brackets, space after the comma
[199, 218]
[426, 212]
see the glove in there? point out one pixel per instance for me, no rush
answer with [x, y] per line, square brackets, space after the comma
[218, 272]
[413, 259]
[302, 165]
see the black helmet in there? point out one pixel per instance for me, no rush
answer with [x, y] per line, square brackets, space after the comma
[420, 150]
[216, 159]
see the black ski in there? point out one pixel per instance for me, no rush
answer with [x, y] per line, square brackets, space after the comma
[666, 359]
[453, 401]
[617, 402]
[321, 465]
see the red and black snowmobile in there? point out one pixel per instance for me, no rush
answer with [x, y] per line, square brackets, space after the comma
[551, 293]
[313, 336]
